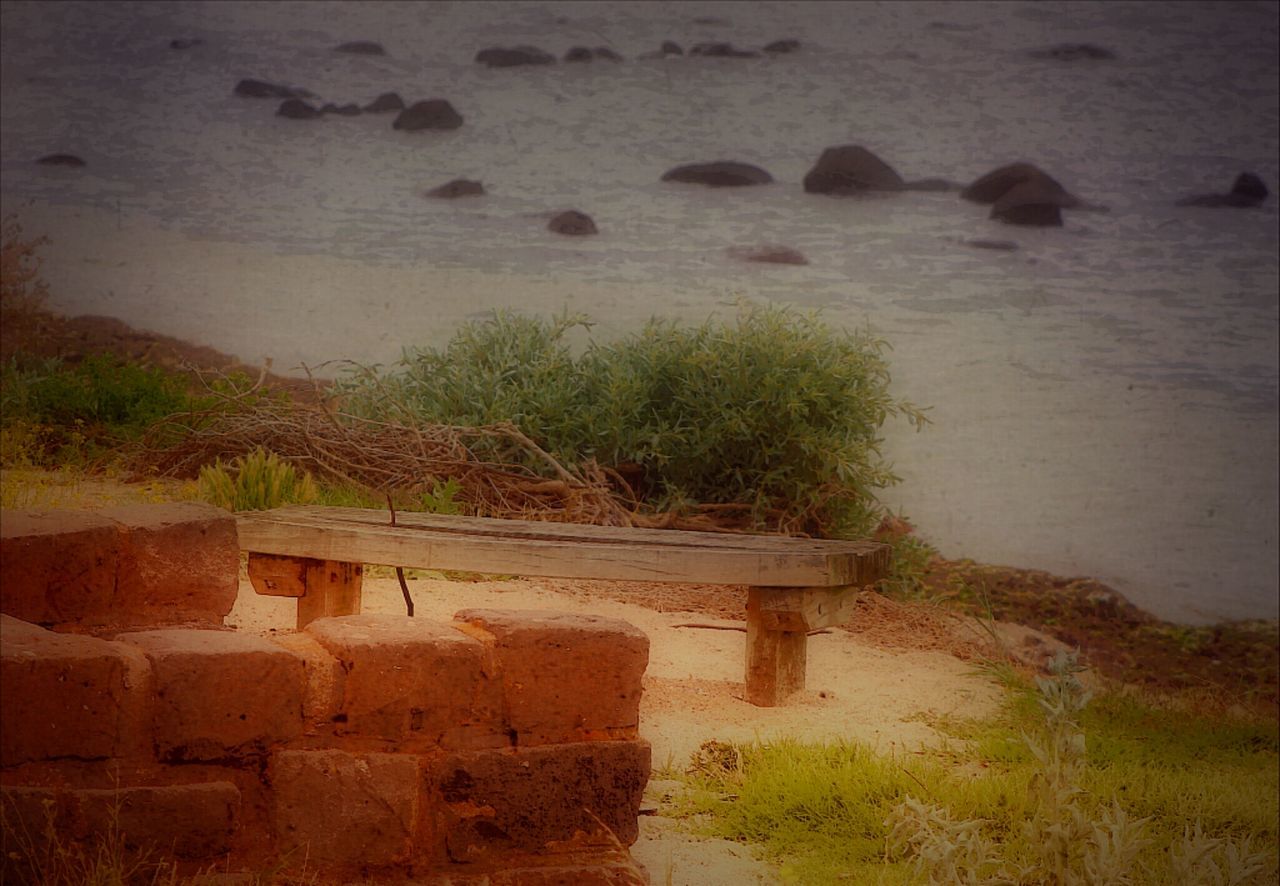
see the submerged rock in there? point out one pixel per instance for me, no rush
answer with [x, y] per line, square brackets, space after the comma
[459, 187]
[250, 88]
[1247, 191]
[297, 109]
[995, 184]
[573, 223]
[720, 174]
[773, 255]
[435, 113]
[60, 160]
[388, 101]
[501, 57]
[1073, 52]
[851, 169]
[1032, 203]
[361, 47]
[722, 50]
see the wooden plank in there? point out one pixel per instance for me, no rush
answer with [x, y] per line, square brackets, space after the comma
[582, 533]
[294, 534]
[776, 659]
[807, 609]
[333, 588]
[275, 576]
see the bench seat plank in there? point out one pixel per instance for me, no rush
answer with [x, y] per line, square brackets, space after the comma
[560, 550]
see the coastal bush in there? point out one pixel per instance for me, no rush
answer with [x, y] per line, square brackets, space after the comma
[1160, 797]
[22, 291]
[773, 416]
[55, 412]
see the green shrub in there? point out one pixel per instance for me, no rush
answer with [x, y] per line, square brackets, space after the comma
[774, 412]
[67, 413]
[258, 481]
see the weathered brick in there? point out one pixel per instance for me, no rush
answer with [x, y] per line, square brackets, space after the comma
[324, 677]
[335, 808]
[187, 820]
[65, 695]
[220, 694]
[178, 564]
[565, 677]
[522, 799]
[413, 678]
[57, 566]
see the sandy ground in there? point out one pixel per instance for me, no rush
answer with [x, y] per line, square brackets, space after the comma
[693, 692]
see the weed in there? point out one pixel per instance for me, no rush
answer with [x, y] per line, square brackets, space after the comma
[258, 481]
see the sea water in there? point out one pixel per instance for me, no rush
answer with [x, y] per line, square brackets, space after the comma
[1103, 397]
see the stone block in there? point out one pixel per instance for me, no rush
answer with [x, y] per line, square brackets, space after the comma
[335, 808]
[220, 694]
[188, 820]
[179, 563]
[57, 566]
[325, 678]
[65, 696]
[413, 679]
[565, 677]
[524, 799]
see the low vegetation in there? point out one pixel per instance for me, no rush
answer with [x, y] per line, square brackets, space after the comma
[1059, 789]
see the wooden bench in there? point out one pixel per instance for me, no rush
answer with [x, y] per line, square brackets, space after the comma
[795, 585]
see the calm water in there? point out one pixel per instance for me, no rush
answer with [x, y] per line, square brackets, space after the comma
[1104, 398]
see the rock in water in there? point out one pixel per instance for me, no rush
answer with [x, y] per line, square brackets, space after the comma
[435, 113]
[573, 223]
[720, 174]
[851, 169]
[459, 187]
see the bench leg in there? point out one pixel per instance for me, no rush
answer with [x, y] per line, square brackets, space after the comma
[322, 587]
[775, 658]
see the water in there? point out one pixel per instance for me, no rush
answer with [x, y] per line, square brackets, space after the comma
[1104, 398]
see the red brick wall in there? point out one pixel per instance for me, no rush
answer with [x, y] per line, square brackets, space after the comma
[500, 742]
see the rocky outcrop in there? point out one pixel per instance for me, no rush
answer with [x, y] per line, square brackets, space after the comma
[60, 160]
[1073, 52]
[1247, 191]
[361, 47]
[995, 184]
[851, 169]
[435, 113]
[388, 101]
[502, 57]
[573, 223]
[459, 187]
[719, 174]
[297, 109]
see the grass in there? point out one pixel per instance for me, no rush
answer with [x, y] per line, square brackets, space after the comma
[1183, 791]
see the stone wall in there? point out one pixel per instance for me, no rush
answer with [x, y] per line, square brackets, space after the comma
[501, 747]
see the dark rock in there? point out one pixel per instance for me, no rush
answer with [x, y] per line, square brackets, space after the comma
[259, 89]
[607, 54]
[1247, 191]
[297, 109]
[185, 43]
[1034, 203]
[499, 57]
[459, 187]
[720, 174]
[670, 47]
[992, 186]
[773, 255]
[573, 223]
[361, 47]
[60, 160]
[348, 110]
[779, 46]
[722, 50]
[435, 113]
[388, 101]
[578, 54]
[1073, 52]
[851, 169]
